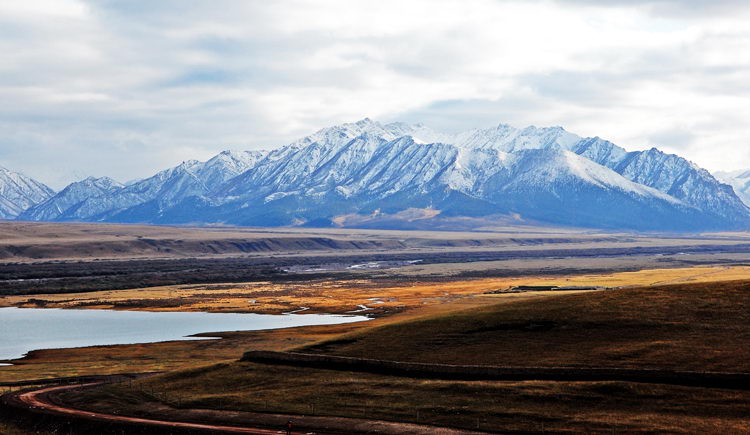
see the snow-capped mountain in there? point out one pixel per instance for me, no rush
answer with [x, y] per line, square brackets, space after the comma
[368, 168]
[151, 195]
[739, 180]
[64, 204]
[225, 166]
[668, 173]
[19, 192]
[369, 174]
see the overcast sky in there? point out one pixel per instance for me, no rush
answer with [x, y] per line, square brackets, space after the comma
[127, 88]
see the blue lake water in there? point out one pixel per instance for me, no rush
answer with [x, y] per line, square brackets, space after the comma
[26, 329]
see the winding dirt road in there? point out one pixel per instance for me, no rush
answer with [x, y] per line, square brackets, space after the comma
[35, 399]
[38, 400]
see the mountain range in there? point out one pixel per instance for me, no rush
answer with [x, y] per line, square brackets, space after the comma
[399, 175]
[739, 180]
[19, 192]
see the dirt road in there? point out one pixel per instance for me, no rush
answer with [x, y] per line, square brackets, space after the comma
[35, 399]
[38, 401]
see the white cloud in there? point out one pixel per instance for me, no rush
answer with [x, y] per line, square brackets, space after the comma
[128, 88]
[60, 8]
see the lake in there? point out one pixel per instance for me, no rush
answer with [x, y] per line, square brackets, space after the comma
[25, 329]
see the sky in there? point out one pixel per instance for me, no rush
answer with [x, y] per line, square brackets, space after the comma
[128, 88]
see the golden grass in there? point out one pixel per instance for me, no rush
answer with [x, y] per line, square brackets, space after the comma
[652, 277]
[703, 326]
[332, 296]
[339, 296]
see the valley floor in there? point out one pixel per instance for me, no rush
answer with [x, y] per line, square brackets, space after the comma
[389, 302]
[365, 295]
[699, 326]
[602, 300]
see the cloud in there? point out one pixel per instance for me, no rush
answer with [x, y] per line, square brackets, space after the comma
[672, 8]
[460, 115]
[127, 88]
[674, 137]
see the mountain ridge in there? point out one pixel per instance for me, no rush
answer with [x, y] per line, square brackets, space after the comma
[542, 174]
[740, 181]
[19, 192]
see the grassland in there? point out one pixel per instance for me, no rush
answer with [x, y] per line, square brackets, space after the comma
[532, 406]
[677, 302]
[345, 295]
[401, 302]
[703, 326]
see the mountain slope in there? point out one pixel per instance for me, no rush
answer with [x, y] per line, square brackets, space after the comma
[19, 192]
[561, 186]
[162, 190]
[740, 181]
[64, 204]
[668, 173]
[401, 171]
[551, 185]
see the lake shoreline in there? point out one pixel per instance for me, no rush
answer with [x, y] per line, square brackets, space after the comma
[26, 330]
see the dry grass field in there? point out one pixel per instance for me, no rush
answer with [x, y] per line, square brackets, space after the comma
[401, 301]
[347, 295]
[670, 302]
[699, 327]
[703, 326]
[496, 407]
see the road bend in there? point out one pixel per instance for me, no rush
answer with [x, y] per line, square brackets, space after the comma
[36, 399]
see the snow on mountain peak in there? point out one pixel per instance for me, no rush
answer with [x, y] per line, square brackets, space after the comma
[605, 177]
[545, 173]
[19, 192]
[740, 181]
